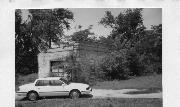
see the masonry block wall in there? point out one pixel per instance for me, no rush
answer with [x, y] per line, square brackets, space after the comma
[86, 53]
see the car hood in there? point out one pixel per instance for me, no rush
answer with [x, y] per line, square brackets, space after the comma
[27, 85]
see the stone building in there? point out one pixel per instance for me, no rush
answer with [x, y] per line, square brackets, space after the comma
[54, 61]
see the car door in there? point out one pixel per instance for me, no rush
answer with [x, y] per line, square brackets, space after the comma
[57, 88]
[43, 87]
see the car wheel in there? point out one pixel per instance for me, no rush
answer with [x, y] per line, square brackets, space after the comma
[32, 96]
[74, 94]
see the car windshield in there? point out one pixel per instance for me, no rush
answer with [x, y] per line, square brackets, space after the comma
[65, 81]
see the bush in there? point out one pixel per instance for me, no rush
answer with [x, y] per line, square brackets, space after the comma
[115, 66]
[118, 65]
[134, 64]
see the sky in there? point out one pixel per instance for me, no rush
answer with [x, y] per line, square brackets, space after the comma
[86, 17]
[92, 16]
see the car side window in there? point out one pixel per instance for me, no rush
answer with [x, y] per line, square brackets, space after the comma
[55, 83]
[42, 83]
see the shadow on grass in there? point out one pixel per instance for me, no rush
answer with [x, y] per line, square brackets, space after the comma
[58, 97]
[145, 91]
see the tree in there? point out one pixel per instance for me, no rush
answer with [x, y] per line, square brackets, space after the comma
[36, 34]
[149, 49]
[82, 35]
[135, 51]
[127, 27]
[47, 25]
[24, 49]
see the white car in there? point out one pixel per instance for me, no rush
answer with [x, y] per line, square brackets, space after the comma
[53, 86]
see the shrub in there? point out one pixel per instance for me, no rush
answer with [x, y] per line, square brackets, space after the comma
[115, 66]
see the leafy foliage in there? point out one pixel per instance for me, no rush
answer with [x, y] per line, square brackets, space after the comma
[126, 25]
[115, 65]
[135, 51]
[36, 34]
[48, 25]
[82, 35]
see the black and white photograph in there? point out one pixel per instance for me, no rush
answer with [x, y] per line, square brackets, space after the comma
[88, 57]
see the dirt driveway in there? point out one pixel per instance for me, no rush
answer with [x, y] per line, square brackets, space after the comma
[104, 93]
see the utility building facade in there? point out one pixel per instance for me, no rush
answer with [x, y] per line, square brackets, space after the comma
[54, 62]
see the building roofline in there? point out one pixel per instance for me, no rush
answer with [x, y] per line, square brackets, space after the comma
[49, 78]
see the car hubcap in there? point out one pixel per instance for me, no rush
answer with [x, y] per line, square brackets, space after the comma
[32, 96]
[75, 95]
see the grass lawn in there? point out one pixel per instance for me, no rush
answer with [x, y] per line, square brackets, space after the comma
[109, 102]
[144, 82]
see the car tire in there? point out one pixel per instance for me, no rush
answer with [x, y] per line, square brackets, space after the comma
[74, 94]
[32, 96]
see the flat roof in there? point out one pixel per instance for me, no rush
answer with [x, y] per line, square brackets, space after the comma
[49, 78]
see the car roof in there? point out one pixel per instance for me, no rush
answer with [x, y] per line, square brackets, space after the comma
[49, 78]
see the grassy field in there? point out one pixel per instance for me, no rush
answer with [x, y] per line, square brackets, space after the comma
[109, 102]
[144, 82]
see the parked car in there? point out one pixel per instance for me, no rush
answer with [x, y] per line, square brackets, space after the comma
[53, 86]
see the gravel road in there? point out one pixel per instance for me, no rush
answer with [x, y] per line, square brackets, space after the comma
[103, 93]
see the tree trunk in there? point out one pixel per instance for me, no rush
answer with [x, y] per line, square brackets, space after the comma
[50, 42]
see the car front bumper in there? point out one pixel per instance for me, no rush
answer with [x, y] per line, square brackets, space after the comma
[21, 94]
[86, 92]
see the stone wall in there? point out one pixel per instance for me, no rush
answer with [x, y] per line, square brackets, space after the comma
[87, 53]
[44, 59]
